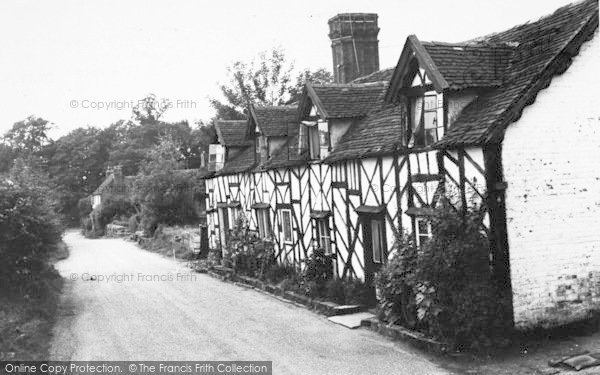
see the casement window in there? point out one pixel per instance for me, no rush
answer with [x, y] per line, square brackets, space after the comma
[264, 222]
[314, 138]
[286, 224]
[378, 240]
[314, 142]
[423, 230]
[234, 214]
[324, 235]
[426, 127]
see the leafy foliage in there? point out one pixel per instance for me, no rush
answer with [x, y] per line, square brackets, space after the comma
[446, 289]
[248, 254]
[319, 76]
[266, 80]
[163, 194]
[318, 271]
[397, 282]
[150, 109]
[29, 229]
[28, 136]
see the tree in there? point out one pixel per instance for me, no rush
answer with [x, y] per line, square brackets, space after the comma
[161, 192]
[319, 76]
[76, 164]
[263, 81]
[28, 136]
[6, 157]
[29, 227]
[150, 108]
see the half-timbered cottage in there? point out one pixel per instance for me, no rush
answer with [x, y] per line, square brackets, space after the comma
[508, 121]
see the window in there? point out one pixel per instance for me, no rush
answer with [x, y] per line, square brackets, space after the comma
[234, 214]
[423, 227]
[314, 138]
[264, 222]
[324, 236]
[378, 240]
[425, 125]
[314, 142]
[286, 224]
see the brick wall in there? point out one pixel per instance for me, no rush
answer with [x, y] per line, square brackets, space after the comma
[551, 161]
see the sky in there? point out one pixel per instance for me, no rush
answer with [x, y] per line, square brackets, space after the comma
[79, 63]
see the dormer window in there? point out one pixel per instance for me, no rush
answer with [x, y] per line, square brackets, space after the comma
[426, 111]
[426, 124]
[314, 138]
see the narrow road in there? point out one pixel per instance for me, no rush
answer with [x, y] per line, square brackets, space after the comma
[142, 306]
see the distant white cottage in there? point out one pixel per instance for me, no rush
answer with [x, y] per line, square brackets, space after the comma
[510, 119]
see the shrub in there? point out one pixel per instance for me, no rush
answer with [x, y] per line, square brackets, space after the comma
[318, 271]
[396, 283]
[114, 208]
[277, 273]
[248, 254]
[84, 207]
[336, 291]
[458, 299]
[29, 230]
[359, 293]
[446, 289]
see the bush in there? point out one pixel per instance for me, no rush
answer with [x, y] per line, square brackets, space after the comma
[84, 207]
[248, 254]
[318, 272]
[446, 290]
[396, 282]
[277, 273]
[29, 230]
[359, 293]
[114, 208]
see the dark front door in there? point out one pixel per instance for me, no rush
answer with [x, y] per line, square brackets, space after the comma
[374, 245]
[223, 226]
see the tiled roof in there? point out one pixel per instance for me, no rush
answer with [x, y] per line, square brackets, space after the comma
[542, 49]
[471, 65]
[242, 162]
[232, 133]
[104, 185]
[347, 100]
[287, 155]
[378, 76]
[273, 120]
[381, 132]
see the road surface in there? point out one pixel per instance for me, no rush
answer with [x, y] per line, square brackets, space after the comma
[124, 303]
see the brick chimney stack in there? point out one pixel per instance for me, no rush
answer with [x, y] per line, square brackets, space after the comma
[354, 45]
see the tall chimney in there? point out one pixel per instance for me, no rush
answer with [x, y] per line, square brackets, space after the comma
[354, 45]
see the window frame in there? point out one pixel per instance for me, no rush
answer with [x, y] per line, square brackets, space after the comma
[324, 235]
[283, 212]
[263, 220]
[234, 214]
[419, 131]
[381, 239]
[314, 142]
[418, 234]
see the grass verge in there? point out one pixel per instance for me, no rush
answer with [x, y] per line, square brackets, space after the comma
[26, 319]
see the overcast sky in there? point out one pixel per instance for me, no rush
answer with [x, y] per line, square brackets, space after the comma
[56, 55]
